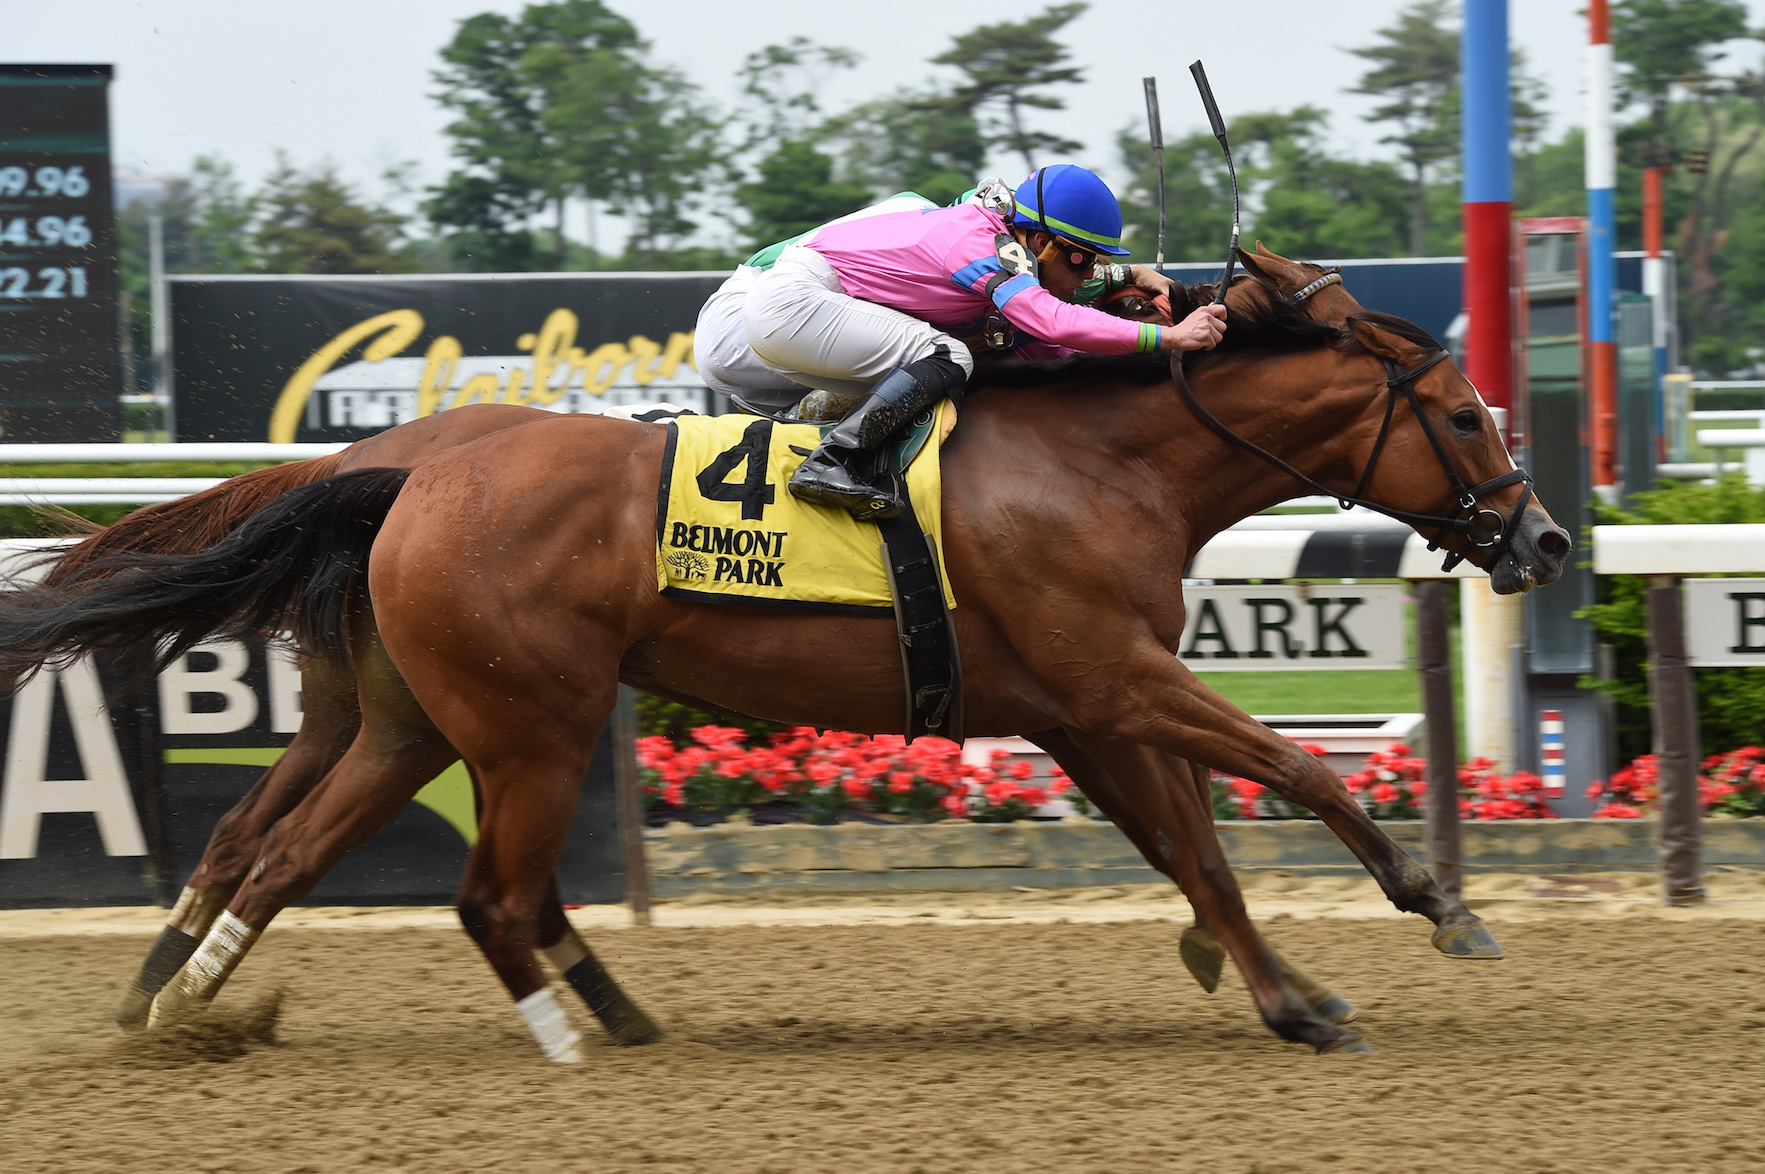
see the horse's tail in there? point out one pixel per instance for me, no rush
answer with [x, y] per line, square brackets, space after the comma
[290, 566]
[184, 526]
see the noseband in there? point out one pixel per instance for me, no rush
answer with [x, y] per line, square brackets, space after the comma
[1483, 528]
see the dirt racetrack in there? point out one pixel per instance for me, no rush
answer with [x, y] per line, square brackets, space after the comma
[970, 1034]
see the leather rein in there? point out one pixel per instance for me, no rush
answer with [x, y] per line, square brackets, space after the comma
[1483, 528]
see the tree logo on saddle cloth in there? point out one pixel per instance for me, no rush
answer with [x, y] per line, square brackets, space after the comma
[728, 530]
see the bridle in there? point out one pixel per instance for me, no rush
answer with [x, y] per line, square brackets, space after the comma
[1483, 528]
[1334, 277]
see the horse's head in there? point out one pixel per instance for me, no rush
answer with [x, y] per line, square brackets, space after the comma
[1325, 300]
[1443, 457]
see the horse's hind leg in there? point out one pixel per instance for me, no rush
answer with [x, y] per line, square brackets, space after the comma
[1199, 947]
[329, 723]
[1183, 838]
[395, 752]
[564, 948]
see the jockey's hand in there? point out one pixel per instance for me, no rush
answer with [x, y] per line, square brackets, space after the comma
[1200, 331]
[1152, 281]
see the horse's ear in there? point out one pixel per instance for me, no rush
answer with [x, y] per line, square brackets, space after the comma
[1271, 254]
[1252, 268]
[1381, 341]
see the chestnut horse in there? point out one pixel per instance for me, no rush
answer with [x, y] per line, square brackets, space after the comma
[1072, 490]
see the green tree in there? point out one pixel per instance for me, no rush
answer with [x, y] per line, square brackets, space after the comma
[1306, 203]
[782, 84]
[1667, 52]
[313, 222]
[1415, 70]
[795, 192]
[206, 217]
[794, 188]
[910, 142]
[1007, 66]
[494, 81]
[562, 102]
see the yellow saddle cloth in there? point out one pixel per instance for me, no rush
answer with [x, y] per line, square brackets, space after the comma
[729, 531]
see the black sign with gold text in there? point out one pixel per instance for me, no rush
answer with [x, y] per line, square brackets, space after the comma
[288, 359]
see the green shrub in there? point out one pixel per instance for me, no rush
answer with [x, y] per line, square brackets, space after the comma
[1731, 702]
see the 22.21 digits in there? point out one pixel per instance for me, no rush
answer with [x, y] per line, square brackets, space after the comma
[50, 232]
[15, 282]
[46, 181]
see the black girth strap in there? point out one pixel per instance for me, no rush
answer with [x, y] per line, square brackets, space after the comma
[929, 659]
[1480, 527]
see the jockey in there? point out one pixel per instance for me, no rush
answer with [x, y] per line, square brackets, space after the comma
[875, 306]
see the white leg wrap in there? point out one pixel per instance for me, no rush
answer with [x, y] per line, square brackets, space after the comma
[551, 1027]
[199, 980]
[218, 956]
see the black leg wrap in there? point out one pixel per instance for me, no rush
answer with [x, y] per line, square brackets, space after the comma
[623, 1021]
[167, 957]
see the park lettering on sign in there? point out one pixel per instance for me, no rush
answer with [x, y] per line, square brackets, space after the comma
[1264, 627]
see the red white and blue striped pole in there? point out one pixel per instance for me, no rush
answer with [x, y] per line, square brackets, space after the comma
[1493, 624]
[1488, 195]
[1550, 751]
[1602, 267]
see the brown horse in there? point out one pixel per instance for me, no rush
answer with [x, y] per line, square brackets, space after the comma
[1090, 476]
[332, 709]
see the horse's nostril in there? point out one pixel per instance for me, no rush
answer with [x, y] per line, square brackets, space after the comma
[1553, 542]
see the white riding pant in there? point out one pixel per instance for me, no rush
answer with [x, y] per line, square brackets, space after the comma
[803, 325]
[721, 352]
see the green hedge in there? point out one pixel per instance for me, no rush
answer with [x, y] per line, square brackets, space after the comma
[1731, 702]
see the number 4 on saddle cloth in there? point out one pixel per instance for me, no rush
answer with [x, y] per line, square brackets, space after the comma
[728, 531]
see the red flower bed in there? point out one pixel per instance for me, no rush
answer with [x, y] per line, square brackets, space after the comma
[827, 773]
[1394, 784]
[1733, 784]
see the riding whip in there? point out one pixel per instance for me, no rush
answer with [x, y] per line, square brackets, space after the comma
[1157, 131]
[1219, 132]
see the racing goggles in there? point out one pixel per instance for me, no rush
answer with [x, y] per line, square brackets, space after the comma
[1074, 256]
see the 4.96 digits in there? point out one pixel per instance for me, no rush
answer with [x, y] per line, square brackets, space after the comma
[50, 232]
[45, 181]
[51, 282]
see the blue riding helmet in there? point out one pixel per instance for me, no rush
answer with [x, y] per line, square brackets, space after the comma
[1080, 207]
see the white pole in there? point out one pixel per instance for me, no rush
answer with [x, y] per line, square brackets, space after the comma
[162, 333]
[1491, 626]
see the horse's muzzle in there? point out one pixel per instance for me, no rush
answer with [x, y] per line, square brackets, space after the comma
[1536, 556]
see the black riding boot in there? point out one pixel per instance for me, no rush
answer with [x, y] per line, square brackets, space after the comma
[842, 471]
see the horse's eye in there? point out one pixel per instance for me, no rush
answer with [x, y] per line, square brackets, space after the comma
[1466, 421]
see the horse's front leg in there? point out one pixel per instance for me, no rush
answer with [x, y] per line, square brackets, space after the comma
[1183, 838]
[1200, 949]
[1153, 698]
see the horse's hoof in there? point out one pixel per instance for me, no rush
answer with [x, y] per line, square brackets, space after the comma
[172, 1007]
[1348, 1041]
[1471, 939]
[1337, 1010]
[132, 1009]
[636, 1034]
[1203, 963]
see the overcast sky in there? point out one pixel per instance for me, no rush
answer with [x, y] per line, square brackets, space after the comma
[349, 80]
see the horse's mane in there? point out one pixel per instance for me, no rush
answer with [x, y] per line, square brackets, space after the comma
[1262, 322]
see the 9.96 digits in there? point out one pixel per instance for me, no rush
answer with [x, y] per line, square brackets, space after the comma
[44, 182]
